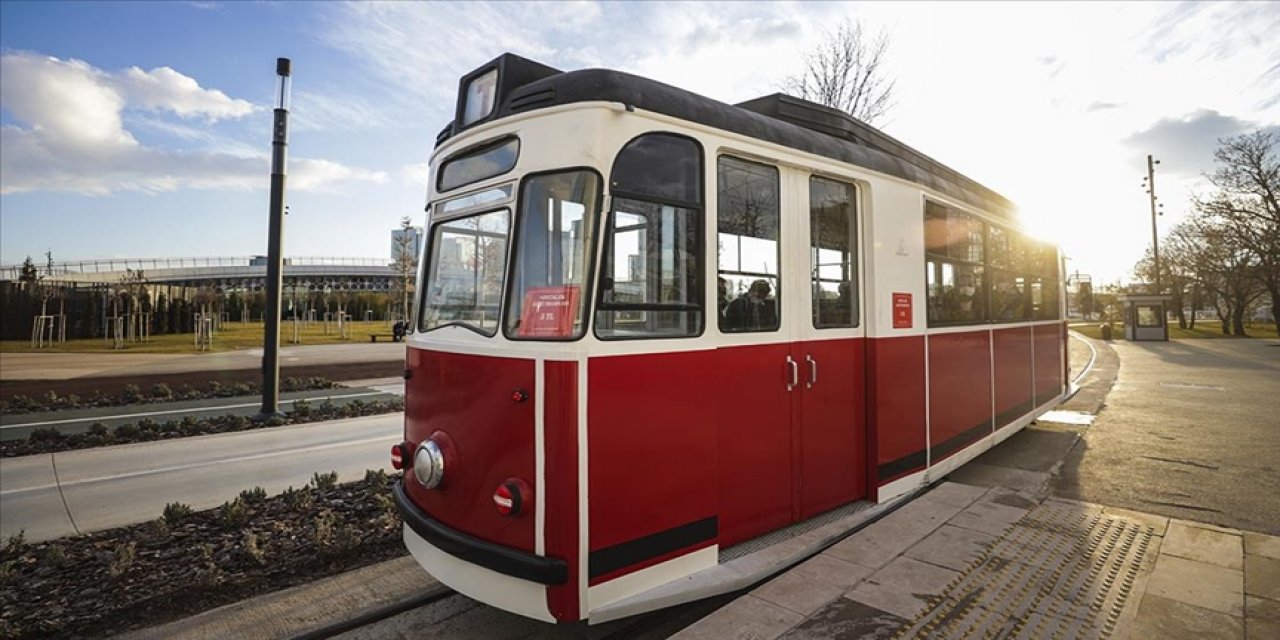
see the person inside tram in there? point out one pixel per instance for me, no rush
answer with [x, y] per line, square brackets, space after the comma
[958, 300]
[1007, 301]
[722, 302]
[753, 310]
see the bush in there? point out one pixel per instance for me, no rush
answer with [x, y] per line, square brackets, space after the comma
[252, 549]
[298, 499]
[375, 477]
[301, 408]
[233, 514]
[129, 432]
[47, 435]
[256, 495]
[14, 546]
[53, 556]
[121, 559]
[161, 391]
[324, 481]
[98, 429]
[175, 513]
[324, 529]
[158, 530]
[131, 394]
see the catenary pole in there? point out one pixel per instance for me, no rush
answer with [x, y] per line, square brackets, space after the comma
[275, 245]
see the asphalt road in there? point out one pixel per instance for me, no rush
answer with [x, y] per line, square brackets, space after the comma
[114, 486]
[19, 426]
[1190, 430]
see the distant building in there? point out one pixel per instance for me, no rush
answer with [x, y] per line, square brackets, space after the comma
[413, 243]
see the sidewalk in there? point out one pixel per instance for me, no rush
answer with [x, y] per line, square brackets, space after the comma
[965, 561]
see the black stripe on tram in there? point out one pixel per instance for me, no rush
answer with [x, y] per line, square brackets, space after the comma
[902, 465]
[631, 552]
[966, 437]
[1013, 413]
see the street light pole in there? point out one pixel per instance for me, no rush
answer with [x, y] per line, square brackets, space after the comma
[1155, 242]
[275, 245]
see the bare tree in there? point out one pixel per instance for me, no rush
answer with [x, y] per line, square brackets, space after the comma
[1247, 204]
[846, 71]
[405, 264]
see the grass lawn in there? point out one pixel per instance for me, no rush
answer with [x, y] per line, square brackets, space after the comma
[233, 335]
[1204, 329]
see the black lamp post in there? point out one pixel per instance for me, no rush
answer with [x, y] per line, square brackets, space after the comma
[275, 245]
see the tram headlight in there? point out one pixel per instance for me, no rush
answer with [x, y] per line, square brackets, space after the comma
[428, 464]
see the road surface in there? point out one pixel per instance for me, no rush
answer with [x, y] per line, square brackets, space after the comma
[1190, 430]
[114, 486]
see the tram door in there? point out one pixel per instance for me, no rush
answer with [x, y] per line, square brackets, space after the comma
[790, 403]
[830, 418]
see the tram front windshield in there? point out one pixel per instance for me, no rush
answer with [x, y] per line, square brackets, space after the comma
[547, 296]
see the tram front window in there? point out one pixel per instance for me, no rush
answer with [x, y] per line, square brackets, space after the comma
[554, 246]
[468, 264]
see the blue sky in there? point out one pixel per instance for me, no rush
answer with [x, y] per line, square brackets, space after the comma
[142, 129]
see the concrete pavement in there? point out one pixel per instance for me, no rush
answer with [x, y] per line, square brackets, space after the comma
[53, 495]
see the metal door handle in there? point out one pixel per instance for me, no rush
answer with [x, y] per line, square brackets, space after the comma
[813, 371]
[795, 373]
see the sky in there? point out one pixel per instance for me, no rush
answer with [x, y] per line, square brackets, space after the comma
[143, 129]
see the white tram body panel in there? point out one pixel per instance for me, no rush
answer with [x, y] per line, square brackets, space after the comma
[602, 397]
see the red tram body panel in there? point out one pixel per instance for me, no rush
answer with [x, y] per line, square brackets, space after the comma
[652, 326]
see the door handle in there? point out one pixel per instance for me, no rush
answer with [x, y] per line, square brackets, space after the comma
[813, 371]
[795, 373]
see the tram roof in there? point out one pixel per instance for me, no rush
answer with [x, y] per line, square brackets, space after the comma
[778, 118]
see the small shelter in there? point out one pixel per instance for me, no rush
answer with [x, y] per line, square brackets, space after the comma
[1145, 317]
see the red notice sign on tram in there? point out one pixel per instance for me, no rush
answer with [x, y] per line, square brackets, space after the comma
[549, 312]
[901, 310]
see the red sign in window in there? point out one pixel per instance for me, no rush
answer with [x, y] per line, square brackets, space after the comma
[549, 312]
[901, 311]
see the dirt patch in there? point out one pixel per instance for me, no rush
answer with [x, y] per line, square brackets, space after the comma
[116, 384]
[179, 565]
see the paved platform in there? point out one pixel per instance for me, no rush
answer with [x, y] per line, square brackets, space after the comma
[975, 562]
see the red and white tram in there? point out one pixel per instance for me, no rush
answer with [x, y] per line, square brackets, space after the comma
[654, 326]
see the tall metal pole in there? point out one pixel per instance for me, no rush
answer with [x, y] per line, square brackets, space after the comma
[275, 246]
[1155, 242]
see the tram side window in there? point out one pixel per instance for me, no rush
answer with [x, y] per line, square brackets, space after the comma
[956, 286]
[749, 276]
[833, 253]
[1044, 292]
[650, 272]
[552, 257]
[1011, 276]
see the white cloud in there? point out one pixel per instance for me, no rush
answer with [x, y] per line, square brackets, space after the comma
[163, 89]
[418, 175]
[73, 136]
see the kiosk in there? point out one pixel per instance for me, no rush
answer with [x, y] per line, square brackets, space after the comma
[1145, 317]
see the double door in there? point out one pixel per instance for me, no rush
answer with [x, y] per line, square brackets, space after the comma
[791, 404]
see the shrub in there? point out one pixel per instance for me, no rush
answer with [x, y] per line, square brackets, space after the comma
[161, 391]
[121, 559]
[175, 513]
[324, 529]
[53, 556]
[208, 573]
[187, 392]
[324, 481]
[301, 407]
[256, 495]
[347, 537]
[128, 432]
[233, 514]
[298, 499]
[45, 435]
[252, 549]
[14, 546]
[158, 530]
[131, 394]
[375, 477]
[98, 429]
[51, 399]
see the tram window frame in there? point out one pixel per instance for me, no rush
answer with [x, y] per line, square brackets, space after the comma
[849, 264]
[937, 261]
[582, 317]
[722, 314]
[1009, 258]
[431, 254]
[474, 152]
[624, 190]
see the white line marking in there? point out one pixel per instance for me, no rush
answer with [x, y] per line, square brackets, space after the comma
[1093, 356]
[192, 410]
[207, 463]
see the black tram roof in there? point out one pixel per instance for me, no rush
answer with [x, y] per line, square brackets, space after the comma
[778, 118]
